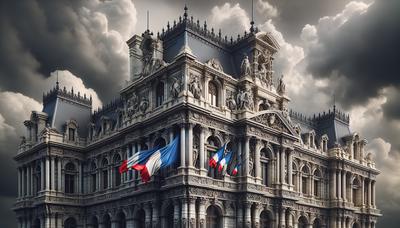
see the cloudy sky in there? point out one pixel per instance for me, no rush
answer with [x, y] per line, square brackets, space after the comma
[349, 48]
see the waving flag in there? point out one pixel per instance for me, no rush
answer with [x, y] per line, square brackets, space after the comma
[161, 158]
[136, 159]
[217, 157]
[235, 170]
[225, 161]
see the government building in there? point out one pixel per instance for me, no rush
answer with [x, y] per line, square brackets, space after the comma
[190, 81]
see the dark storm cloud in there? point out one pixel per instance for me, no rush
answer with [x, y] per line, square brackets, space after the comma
[364, 52]
[39, 37]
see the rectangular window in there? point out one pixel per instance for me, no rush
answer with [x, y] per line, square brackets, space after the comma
[69, 183]
[71, 134]
[94, 182]
[316, 187]
[105, 179]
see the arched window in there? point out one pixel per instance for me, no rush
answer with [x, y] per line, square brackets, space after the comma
[295, 172]
[212, 146]
[316, 223]
[117, 174]
[69, 178]
[213, 217]
[70, 223]
[121, 220]
[304, 180]
[317, 183]
[93, 177]
[213, 93]
[266, 167]
[159, 94]
[94, 222]
[356, 190]
[104, 173]
[140, 218]
[265, 220]
[169, 216]
[303, 223]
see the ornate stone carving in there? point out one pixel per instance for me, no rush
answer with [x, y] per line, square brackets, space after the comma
[245, 68]
[231, 102]
[264, 67]
[214, 63]
[132, 104]
[245, 100]
[195, 86]
[281, 89]
[151, 61]
[144, 104]
[176, 87]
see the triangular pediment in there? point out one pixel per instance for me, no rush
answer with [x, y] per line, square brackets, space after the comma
[269, 39]
[274, 119]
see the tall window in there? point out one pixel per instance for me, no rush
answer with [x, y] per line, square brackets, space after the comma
[93, 178]
[212, 146]
[117, 174]
[213, 93]
[105, 173]
[159, 94]
[317, 183]
[38, 178]
[304, 180]
[265, 167]
[69, 179]
[71, 134]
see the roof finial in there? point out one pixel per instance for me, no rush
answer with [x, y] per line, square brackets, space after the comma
[252, 17]
[57, 84]
[334, 102]
[147, 20]
[185, 15]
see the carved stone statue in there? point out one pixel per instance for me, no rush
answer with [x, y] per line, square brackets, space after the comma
[132, 105]
[195, 87]
[231, 102]
[144, 105]
[214, 63]
[281, 89]
[251, 166]
[175, 87]
[245, 66]
[245, 100]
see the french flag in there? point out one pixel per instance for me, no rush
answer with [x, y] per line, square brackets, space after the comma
[136, 159]
[235, 170]
[161, 158]
[224, 161]
[217, 157]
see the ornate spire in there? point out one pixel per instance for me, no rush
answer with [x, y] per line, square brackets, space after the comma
[252, 17]
[57, 84]
[185, 15]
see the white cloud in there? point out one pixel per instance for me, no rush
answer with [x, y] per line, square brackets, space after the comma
[230, 16]
[267, 9]
[69, 80]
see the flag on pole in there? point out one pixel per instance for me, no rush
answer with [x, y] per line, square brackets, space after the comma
[224, 161]
[161, 158]
[214, 160]
[136, 159]
[235, 170]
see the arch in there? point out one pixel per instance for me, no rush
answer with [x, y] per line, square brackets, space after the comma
[104, 173]
[70, 223]
[356, 191]
[117, 174]
[317, 223]
[94, 222]
[160, 94]
[305, 172]
[93, 176]
[303, 222]
[121, 219]
[106, 221]
[266, 166]
[70, 166]
[266, 219]
[36, 223]
[213, 93]
[317, 182]
[160, 142]
[214, 141]
[213, 217]
[356, 225]
[140, 218]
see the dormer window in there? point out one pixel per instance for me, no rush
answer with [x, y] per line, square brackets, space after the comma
[71, 134]
[159, 94]
[213, 94]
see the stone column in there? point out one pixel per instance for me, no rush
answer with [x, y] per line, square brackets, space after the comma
[369, 193]
[202, 152]
[290, 169]
[182, 148]
[373, 194]
[240, 156]
[53, 176]
[282, 218]
[311, 185]
[42, 181]
[277, 218]
[333, 184]
[282, 164]
[256, 216]
[362, 191]
[247, 214]
[47, 174]
[246, 156]
[240, 216]
[277, 166]
[344, 187]
[339, 184]
[80, 178]
[47, 221]
[19, 182]
[176, 212]
[192, 212]
[184, 214]
[155, 218]
[289, 221]
[29, 180]
[147, 209]
[190, 145]
[202, 213]
[257, 162]
[339, 222]
[59, 174]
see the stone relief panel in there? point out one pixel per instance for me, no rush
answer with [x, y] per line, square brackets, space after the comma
[195, 86]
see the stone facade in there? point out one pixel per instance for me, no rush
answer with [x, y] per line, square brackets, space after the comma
[191, 82]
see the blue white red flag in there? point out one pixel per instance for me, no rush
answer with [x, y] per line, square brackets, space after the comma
[235, 170]
[224, 161]
[214, 160]
[161, 158]
[136, 159]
